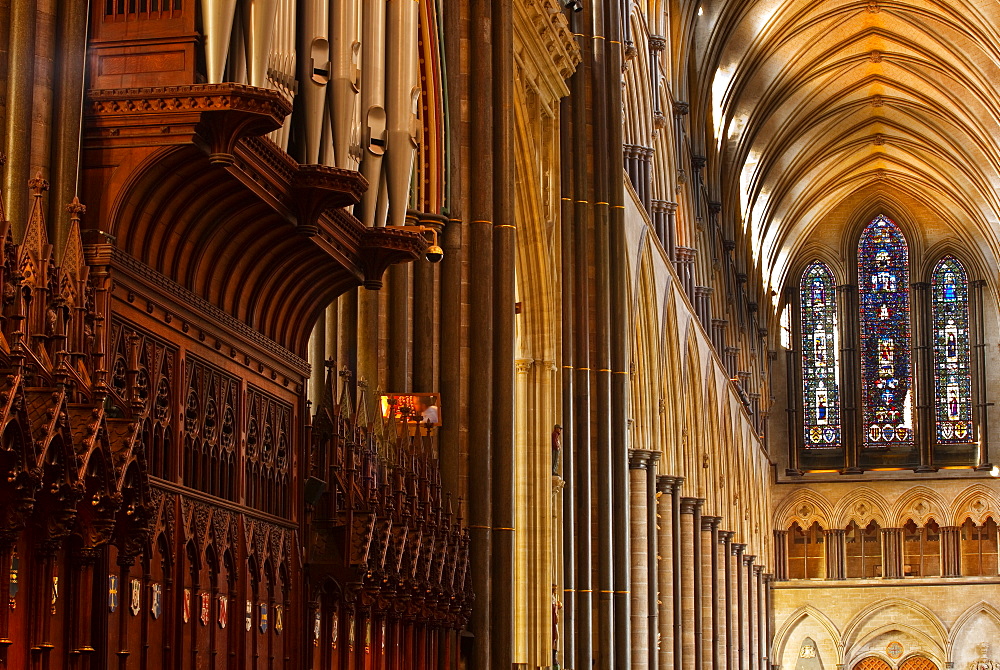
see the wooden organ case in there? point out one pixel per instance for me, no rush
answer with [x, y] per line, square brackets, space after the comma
[169, 499]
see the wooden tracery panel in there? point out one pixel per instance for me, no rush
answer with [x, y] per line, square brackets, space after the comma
[872, 663]
[918, 663]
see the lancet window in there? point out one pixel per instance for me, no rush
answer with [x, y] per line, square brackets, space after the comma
[979, 548]
[861, 403]
[886, 376]
[806, 550]
[863, 549]
[952, 369]
[921, 549]
[820, 372]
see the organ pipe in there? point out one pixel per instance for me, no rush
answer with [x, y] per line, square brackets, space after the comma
[217, 18]
[342, 91]
[401, 103]
[314, 74]
[372, 105]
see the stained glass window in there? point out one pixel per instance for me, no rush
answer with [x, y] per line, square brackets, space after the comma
[820, 387]
[886, 374]
[952, 371]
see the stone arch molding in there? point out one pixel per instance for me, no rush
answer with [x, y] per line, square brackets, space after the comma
[785, 634]
[920, 504]
[976, 502]
[966, 619]
[856, 636]
[933, 650]
[862, 505]
[803, 506]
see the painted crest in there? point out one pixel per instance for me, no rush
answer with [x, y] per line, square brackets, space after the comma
[112, 593]
[136, 600]
[279, 619]
[15, 564]
[223, 611]
[206, 608]
[263, 618]
[187, 605]
[156, 600]
[249, 616]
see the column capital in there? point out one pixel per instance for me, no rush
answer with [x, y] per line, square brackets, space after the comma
[748, 559]
[738, 548]
[726, 536]
[641, 459]
[668, 483]
[691, 505]
[657, 43]
[710, 522]
[758, 570]
[921, 285]
[681, 108]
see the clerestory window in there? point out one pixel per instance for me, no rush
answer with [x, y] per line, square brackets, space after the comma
[887, 370]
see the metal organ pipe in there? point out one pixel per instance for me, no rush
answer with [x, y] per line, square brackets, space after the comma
[260, 26]
[373, 117]
[217, 16]
[314, 74]
[342, 91]
[278, 58]
[402, 99]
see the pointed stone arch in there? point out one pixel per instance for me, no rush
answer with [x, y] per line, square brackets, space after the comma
[863, 505]
[783, 635]
[965, 624]
[855, 633]
[804, 506]
[921, 504]
[977, 502]
[672, 383]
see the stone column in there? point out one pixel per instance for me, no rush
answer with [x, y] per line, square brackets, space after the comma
[710, 591]
[759, 632]
[850, 398]
[892, 553]
[678, 619]
[835, 568]
[639, 463]
[982, 405]
[751, 611]
[665, 486]
[726, 600]
[739, 605]
[690, 585]
[671, 240]
[951, 562]
[653, 553]
[924, 431]
[781, 554]
[769, 620]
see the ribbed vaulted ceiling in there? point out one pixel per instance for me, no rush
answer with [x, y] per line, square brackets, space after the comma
[829, 112]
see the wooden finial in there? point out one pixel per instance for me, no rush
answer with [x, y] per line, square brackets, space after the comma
[76, 209]
[38, 185]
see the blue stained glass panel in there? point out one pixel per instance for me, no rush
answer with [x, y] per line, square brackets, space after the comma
[820, 378]
[886, 372]
[952, 368]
